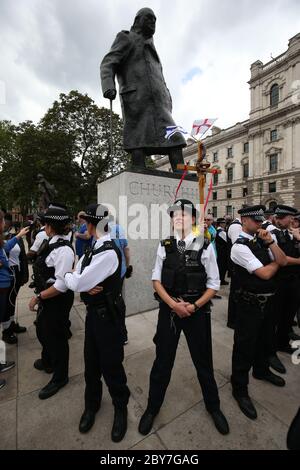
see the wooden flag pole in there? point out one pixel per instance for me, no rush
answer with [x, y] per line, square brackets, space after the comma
[201, 168]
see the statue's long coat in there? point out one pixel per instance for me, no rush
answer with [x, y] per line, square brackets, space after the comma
[145, 99]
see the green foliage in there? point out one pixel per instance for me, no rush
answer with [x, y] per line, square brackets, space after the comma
[70, 147]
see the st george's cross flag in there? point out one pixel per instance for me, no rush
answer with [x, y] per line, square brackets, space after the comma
[201, 126]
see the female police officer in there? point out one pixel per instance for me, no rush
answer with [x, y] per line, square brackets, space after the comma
[185, 278]
[55, 257]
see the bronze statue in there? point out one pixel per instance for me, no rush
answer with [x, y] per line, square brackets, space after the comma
[47, 192]
[145, 99]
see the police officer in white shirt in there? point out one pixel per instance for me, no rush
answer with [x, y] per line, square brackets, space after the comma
[55, 257]
[103, 347]
[233, 233]
[186, 278]
[256, 259]
[269, 222]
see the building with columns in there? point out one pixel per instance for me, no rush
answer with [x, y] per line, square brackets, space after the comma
[260, 157]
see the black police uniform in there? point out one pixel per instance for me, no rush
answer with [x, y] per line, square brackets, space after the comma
[52, 323]
[222, 253]
[255, 306]
[103, 346]
[183, 275]
[288, 292]
[234, 282]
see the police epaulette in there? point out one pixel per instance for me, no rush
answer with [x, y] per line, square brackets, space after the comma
[242, 241]
[168, 244]
[108, 244]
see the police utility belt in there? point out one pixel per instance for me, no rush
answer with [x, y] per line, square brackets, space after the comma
[254, 299]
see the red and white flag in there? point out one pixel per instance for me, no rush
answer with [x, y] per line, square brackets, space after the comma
[201, 126]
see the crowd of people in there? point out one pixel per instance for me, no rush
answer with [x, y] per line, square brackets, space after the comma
[258, 252]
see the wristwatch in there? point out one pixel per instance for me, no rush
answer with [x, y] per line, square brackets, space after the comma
[39, 297]
[270, 243]
[196, 307]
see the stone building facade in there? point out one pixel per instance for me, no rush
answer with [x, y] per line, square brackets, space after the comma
[260, 157]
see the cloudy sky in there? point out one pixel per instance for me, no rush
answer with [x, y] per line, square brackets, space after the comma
[206, 48]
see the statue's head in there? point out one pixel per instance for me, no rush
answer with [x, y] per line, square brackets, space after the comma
[144, 22]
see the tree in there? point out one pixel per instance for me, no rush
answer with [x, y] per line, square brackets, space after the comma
[89, 126]
[70, 147]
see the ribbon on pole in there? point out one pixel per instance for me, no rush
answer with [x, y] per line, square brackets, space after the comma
[214, 172]
[181, 179]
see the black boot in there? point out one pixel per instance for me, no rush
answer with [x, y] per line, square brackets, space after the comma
[220, 422]
[146, 422]
[51, 389]
[246, 406]
[87, 421]
[276, 364]
[120, 424]
[16, 328]
[8, 336]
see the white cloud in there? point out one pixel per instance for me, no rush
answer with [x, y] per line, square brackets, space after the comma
[52, 46]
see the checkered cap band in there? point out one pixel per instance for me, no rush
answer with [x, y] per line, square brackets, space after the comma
[56, 217]
[251, 213]
[282, 211]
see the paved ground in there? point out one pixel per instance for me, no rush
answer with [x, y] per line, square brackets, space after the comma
[29, 423]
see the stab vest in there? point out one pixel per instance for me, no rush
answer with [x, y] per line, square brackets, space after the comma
[184, 273]
[289, 247]
[42, 272]
[220, 243]
[251, 282]
[229, 242]
[266, 224]
[112, 285]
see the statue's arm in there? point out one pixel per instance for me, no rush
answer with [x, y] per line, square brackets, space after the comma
[117, 54]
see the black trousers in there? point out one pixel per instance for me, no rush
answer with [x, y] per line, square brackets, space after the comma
[222, 261]
[103, 356]
[52, 329]
[251, 346]
[197, 331]
[287, 304]
[232, 302]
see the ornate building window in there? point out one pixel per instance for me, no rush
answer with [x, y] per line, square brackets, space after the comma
[245, 192]
[229, 210]
[229, 152]
[273, 135]
[215, 178]
[215, 157]
[246, 147]
[272, 187]
[229, 194]
[273, 163]
[274, 95]
[214, 212]
[215, 195]
[229, 175]
[246, 170]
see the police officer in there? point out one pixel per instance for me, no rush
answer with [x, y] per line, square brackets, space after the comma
[54, 258]
[103, 346]
[222, 250]
[288, 293]
[233, 232]
[256, 259]
[268, 223]
[185, 278]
